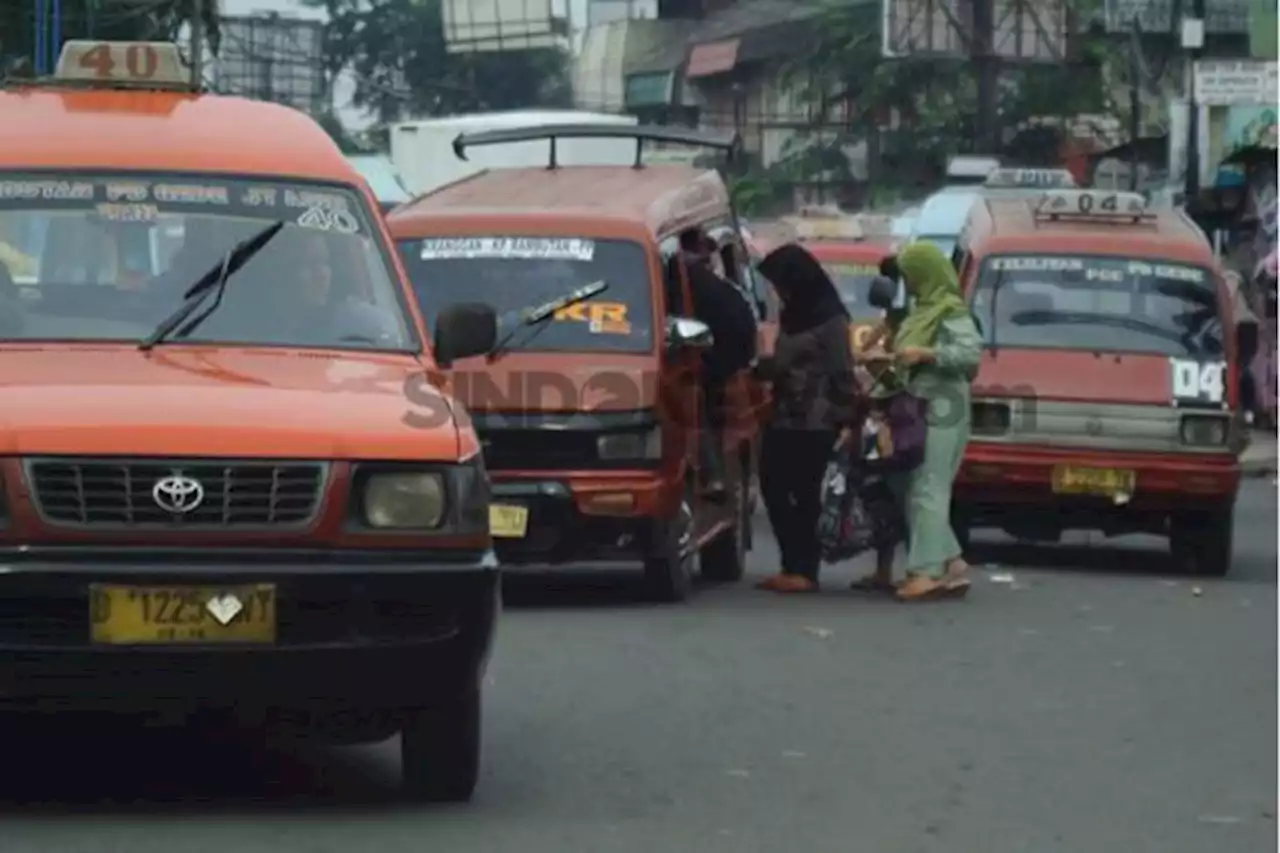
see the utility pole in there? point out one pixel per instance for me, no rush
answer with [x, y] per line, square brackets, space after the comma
[983, 56]
[1193, 48]
[197, 44]
[1135, 100]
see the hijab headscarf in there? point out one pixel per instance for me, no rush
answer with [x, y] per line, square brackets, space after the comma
[810, 297]
[935, 294]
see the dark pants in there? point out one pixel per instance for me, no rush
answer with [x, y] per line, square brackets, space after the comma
[710, 438]
[792, 463]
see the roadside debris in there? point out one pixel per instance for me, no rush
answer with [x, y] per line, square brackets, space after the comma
[1197, 591]
[1002, 577]
[1223, 820]
[791, 753]
[820, 633]
[740, 774]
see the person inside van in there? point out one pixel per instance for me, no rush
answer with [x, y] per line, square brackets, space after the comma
[718, 304]
[291, 293]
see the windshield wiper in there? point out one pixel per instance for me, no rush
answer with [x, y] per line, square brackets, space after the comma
[214, 281]
[539, 315]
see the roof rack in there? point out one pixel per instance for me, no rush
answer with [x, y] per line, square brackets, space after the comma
[147, 65]
[552, 132]
[1078, 205]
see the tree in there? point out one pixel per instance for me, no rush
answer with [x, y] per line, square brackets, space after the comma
[112, 20]
[931, 103]
[397, 53]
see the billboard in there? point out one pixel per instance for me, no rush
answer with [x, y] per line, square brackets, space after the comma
[272, 58]
[1023, 30]
[1222, 17]
[479, 26]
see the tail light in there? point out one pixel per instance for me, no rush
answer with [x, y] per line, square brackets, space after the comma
[990, 418]
[1205, 430]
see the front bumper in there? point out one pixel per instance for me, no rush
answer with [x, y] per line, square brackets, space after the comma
[1001, 481]
[370, 630]
[583, 519]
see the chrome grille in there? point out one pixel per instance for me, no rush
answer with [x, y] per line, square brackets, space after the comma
[106, 493]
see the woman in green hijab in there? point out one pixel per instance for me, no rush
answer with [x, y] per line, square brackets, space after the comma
[937, 348]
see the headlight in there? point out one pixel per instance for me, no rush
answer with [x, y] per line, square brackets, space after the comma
[404, 501]
[1204, 431]
[990, 418]
[630, 445]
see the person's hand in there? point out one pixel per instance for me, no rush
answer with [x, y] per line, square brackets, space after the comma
[915, 355]
[843, 439]
[875, 356]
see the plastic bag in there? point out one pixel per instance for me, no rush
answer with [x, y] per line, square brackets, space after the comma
[845, 525]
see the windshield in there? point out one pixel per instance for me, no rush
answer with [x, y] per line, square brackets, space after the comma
[853, 280]
[106, 258]
[945, 242]
[1099, 304]
[513, 273]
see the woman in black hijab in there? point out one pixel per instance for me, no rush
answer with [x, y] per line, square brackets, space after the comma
[816, 405]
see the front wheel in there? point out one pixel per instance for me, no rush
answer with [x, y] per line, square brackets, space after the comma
[724, 559]
[440, 750]
[1203, 542]
[668, 570]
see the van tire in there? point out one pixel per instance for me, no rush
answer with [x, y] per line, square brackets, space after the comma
[668, 569]
[1203, 543]
[440, 750]
[724, 559]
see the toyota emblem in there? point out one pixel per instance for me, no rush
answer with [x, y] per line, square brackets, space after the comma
[177, 494]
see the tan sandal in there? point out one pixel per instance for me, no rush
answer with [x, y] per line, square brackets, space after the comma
[920, 588]
[795, 584]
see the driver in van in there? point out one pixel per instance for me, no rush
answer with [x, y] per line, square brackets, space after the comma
[290, 293]
[317, 305]
[718, 304]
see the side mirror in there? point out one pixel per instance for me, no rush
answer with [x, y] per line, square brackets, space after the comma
[464, 330]
[688, 333]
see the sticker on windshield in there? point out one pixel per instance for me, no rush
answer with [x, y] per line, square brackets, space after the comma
[129, 212]
[602, 318]
[1037, 264]
[853, 269]
[1198, 381]
[324, 218]
[1170, 272]
[515, 248]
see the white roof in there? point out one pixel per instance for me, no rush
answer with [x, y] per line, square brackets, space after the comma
[516, 118]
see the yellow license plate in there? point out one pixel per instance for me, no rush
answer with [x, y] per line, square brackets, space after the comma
[145, 615]
[1108, 482]
[508, 522]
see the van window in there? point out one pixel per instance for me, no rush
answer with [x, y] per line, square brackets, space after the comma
[512, 273]
[853, 282]
[1094, 303]
[106, 258]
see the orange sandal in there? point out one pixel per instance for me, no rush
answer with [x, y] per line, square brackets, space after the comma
[795, 583]
[921, 588]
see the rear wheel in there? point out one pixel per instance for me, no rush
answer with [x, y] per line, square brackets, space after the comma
[668, 570]
[440, 750]
[1204, 542]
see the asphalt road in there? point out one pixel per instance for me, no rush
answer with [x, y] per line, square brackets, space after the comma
[1093, 705]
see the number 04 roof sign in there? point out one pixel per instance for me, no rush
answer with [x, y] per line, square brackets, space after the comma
[1091, 205]
[135, 64]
